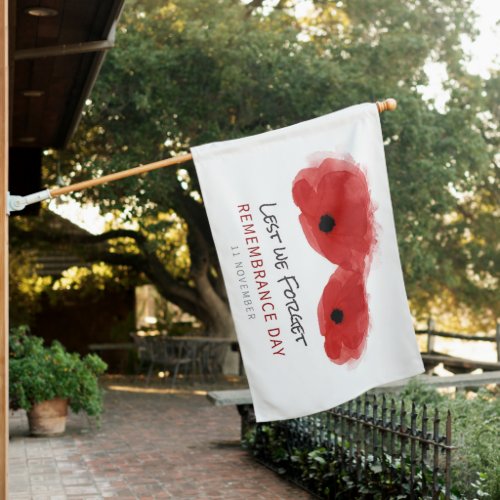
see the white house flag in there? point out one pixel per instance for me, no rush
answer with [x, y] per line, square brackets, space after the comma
[304, 229]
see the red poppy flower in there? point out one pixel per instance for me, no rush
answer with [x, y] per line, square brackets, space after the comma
[343, 316]
[337, 214]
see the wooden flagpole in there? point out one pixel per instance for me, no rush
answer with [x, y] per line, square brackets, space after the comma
[387, 105]
[121, 175]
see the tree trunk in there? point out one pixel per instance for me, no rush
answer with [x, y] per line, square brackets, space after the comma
[221, 322]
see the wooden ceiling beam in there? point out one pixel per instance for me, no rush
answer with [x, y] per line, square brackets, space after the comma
[63, 50]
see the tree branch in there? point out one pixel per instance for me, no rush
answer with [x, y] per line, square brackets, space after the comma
[118, 233]
[135, 261]
[185, 297]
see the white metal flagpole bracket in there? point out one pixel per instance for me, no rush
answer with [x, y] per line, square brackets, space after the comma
[16, 203]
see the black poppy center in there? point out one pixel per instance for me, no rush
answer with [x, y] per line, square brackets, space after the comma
[326, 223]
[337, 316]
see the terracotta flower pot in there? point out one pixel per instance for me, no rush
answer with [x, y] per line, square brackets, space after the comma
[48, 417]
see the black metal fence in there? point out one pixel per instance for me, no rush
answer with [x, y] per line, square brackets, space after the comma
[369, 447]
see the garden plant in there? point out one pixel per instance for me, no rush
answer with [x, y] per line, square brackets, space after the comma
[39, 373]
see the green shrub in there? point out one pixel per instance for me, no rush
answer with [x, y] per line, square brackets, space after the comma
[333, 473]
[475, 435]
[38, 373]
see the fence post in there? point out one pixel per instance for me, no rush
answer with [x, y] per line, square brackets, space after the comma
[431, 326]
[498, 341]
[435, 468]
[448, 456]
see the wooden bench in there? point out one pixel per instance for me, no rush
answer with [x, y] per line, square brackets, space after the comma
[111, 346]
[242, 398]
[457, 365]
[458, 381]
[230, 397]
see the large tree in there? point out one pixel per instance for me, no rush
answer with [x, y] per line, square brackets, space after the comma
[186, 72]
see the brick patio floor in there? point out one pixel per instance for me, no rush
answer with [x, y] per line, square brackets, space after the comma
[150, 445]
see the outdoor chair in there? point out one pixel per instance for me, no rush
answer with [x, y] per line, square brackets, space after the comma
[195, 352]
[175, 356]
[142, 349]
[213, 359]
[157, 351]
